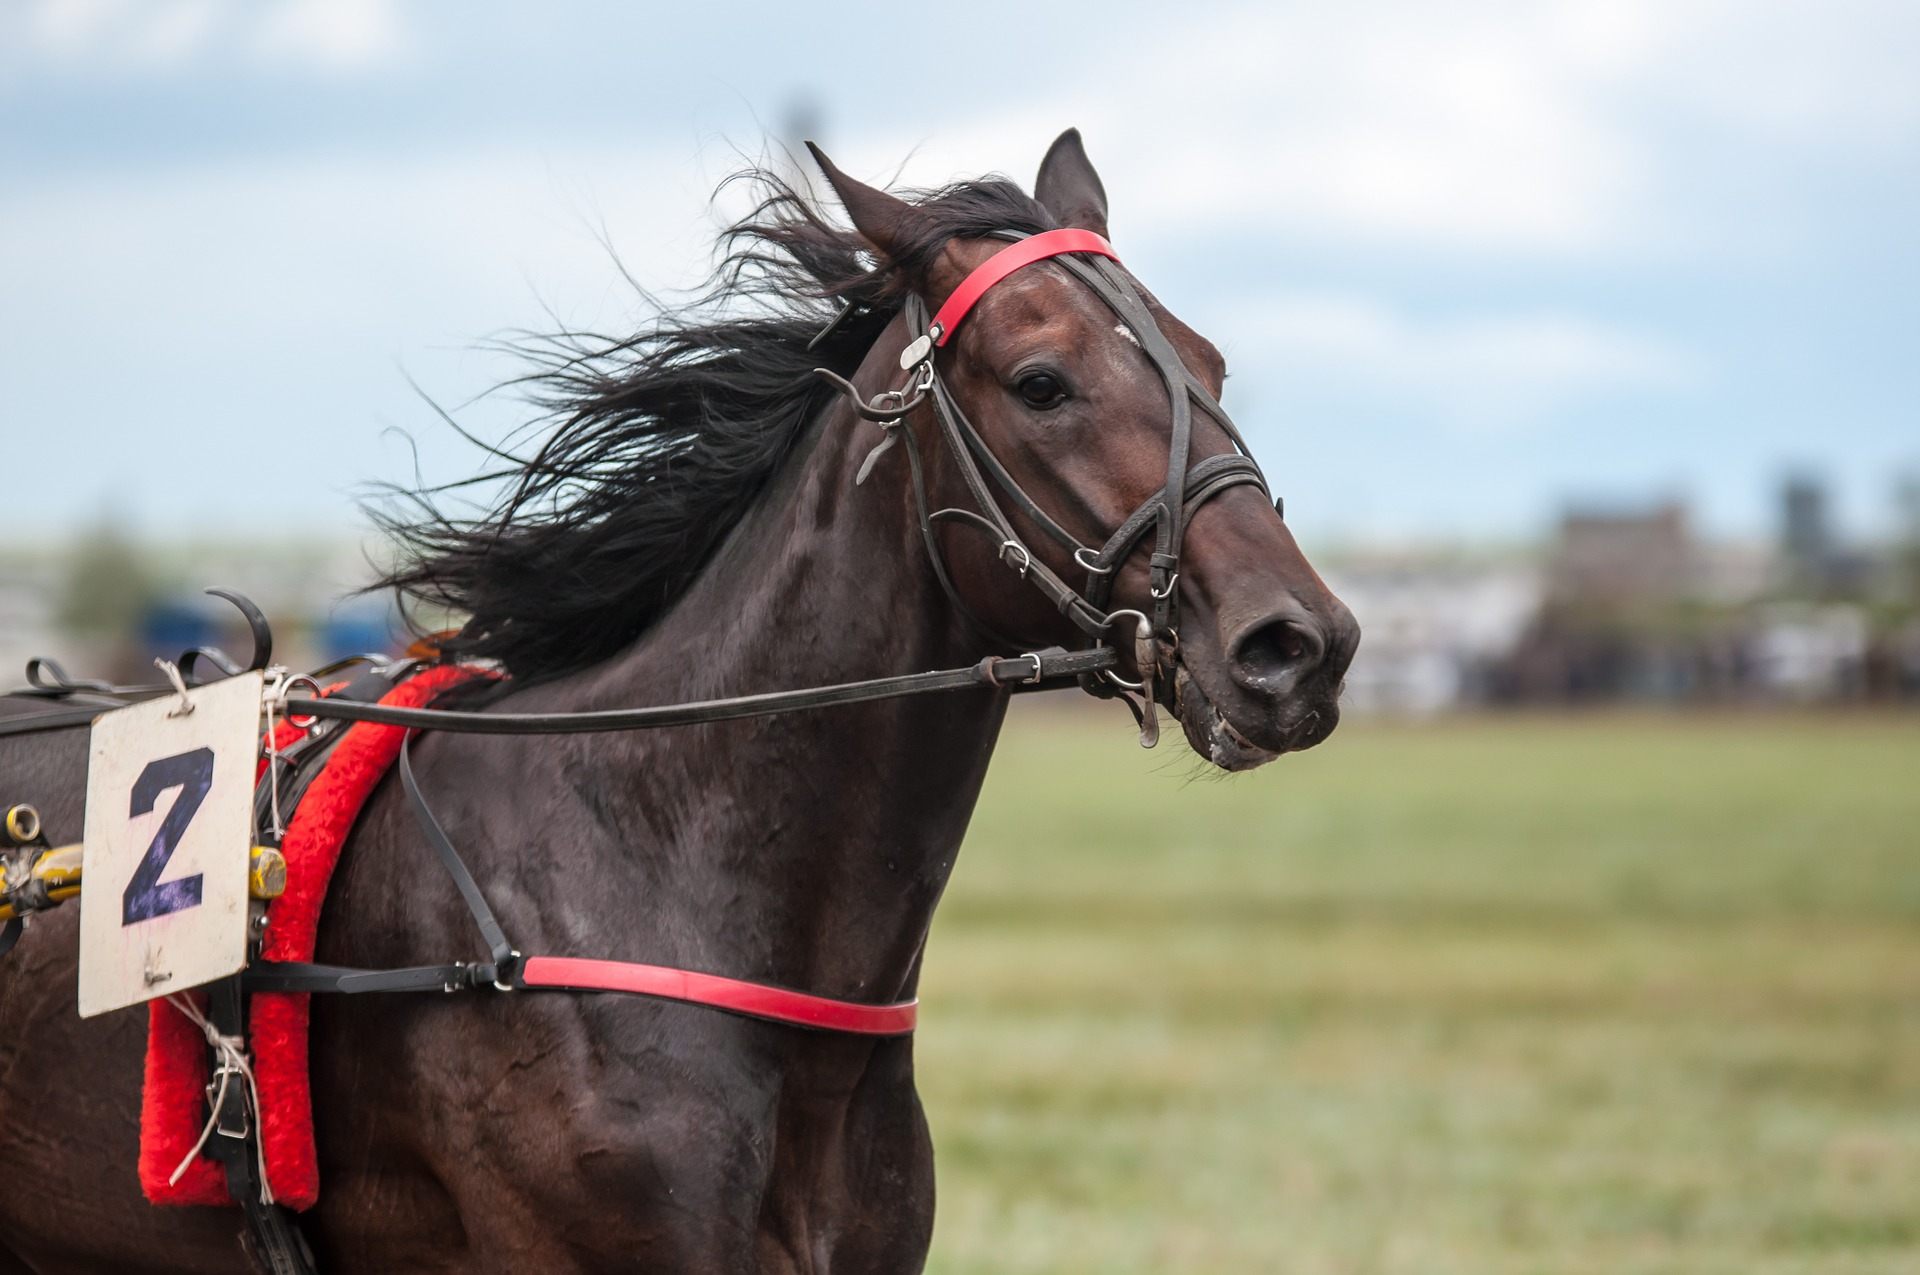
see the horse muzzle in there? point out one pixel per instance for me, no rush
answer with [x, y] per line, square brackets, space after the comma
[1277, 689]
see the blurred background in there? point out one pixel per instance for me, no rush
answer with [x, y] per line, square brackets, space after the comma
[1581, 340]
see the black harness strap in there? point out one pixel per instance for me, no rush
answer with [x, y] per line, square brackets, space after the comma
[271, 1236]
[1024, 672]
[308, 976]
[455, 976]
[65, 717]
[498, 948]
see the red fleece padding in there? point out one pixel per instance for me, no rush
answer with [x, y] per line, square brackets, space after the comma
[173, 1107]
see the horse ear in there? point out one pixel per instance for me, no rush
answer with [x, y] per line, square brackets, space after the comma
[1069, 188]
[883, 220]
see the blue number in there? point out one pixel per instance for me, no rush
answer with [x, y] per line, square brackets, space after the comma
[147, 896]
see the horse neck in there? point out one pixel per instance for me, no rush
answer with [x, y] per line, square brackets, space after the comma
[811, 847]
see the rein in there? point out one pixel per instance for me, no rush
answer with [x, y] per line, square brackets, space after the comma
[1030, 672]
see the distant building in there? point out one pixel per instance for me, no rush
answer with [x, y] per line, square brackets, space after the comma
[1806, 534]
[1627, 558]
[1611, 626]
[1432, 627]
[1807, 653]
[1814, 563]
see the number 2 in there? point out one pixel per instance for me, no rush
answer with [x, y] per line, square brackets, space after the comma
[147, 896]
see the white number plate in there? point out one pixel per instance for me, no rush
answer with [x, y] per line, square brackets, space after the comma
[169, 829]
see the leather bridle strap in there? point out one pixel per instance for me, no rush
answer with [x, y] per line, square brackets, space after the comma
[1034, 671]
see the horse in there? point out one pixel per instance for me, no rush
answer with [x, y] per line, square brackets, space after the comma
[703, 516]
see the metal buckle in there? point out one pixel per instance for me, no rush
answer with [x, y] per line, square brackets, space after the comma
[1039, 670]
[213, 1089]
[508, 987]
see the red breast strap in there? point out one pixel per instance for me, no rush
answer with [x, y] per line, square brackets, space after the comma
[1014, 256]
[755, 1000]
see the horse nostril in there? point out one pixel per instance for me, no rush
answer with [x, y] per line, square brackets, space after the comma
[1276, 650]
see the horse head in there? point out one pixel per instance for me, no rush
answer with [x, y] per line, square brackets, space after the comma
[1085, 438]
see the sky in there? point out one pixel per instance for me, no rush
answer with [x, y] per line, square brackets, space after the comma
[1469, 263]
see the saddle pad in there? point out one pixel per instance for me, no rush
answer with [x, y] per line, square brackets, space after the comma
[173, 1099]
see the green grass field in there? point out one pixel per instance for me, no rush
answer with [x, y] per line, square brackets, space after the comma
[1609, 994]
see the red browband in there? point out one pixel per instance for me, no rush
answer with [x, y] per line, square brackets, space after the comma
[755, 1000]
[1014, 256]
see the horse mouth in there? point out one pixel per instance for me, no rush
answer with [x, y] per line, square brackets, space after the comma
[1218, 740]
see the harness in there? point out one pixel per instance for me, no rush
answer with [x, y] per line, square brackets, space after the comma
[1166, 513]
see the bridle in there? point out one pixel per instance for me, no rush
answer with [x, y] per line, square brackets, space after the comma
[1091, 259]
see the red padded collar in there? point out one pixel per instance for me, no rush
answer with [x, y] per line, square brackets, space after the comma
[1014, 256]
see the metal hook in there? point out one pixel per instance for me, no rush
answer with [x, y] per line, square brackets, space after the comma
[1026, 559]
[45, 674]
[903, 401]
[256, 625]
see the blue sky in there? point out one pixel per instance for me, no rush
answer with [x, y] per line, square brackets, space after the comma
[1468, 261]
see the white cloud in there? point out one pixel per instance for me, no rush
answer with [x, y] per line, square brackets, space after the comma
[1511, 129]
[334, 34]
[271, 309]
[1838, 75]
[375, 243]
[122, 33]
[1437, 126]
[1490, 372]
[121, 37]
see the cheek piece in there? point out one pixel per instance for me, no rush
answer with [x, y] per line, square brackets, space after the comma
[1091, 260]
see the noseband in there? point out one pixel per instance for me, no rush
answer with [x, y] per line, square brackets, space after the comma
[1090, 258]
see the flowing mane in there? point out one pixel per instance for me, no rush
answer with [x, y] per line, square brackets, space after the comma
[656, 444]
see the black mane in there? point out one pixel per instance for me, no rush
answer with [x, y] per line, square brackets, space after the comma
[656, 444]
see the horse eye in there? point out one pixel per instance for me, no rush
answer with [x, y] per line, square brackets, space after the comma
[1042, 390]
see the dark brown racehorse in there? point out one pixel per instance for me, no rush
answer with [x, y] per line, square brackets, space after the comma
[689, 529]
